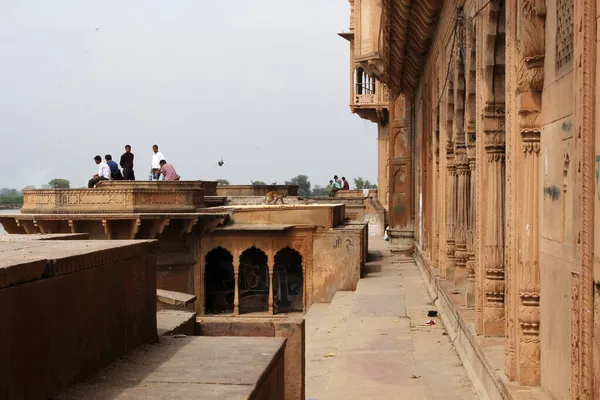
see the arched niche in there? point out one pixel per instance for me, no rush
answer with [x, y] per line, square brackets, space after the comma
[288, 281]
[253, 281]
[219, 281]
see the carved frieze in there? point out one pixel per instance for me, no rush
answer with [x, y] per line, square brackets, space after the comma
[131, 200]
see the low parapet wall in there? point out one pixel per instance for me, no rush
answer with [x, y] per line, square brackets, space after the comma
[67, 311]
[255, 190]
[209, 187]
[126, 200]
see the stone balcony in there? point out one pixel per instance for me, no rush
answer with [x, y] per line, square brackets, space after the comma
[370, 103]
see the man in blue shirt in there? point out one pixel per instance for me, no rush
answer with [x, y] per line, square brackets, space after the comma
[115, 172]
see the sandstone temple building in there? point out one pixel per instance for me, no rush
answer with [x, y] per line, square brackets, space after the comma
[490, 154]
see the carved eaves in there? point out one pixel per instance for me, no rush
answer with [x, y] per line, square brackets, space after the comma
[408, 28]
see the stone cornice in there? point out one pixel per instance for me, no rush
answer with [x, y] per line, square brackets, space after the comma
[408, 27]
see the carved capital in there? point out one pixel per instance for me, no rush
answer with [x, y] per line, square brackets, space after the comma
[531, 45]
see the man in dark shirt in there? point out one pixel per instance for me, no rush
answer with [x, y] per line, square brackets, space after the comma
[127, 164]
[115, 172]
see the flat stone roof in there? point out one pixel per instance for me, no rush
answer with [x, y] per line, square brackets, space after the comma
[195, 367]
[51, 236]
[254, 227]
[28, 260]
[84, 216]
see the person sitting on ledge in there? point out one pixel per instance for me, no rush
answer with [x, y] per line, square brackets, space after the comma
[115, 172]
[333, 188]
[168, 171]
[103, 172]
[346, 184]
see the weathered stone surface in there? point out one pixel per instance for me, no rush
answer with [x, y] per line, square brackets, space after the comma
[291, 328]
[68, 310]
[192, 368]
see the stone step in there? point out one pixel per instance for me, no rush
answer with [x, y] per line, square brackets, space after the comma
[175, 322]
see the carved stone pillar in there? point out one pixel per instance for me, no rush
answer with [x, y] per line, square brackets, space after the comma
[471, 224]
[271, 267]
[236, 298]
[493, 254]
[448, 271]
[460, 233]
[530, 82]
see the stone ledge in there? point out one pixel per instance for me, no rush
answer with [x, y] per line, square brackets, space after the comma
[175, 298]
[174, 322]
[482, 357]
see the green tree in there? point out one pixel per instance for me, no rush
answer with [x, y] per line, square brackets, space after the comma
[29, 187]
[59, 183]
[222, 182]
[360, 183]
[303, 185]
[319, 191]
[10, 198]
[258, 183]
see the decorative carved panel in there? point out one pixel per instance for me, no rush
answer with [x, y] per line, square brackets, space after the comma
[564, 33]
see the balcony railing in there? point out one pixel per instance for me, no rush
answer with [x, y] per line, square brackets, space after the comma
[378, 97]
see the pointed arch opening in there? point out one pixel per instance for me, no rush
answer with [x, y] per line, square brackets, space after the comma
[288, 281]
[219, 282]
[253, 281]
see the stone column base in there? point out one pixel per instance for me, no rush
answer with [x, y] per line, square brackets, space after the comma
[403, 239]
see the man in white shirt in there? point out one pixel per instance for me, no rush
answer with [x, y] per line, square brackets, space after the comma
[103, 172]
[156, 158]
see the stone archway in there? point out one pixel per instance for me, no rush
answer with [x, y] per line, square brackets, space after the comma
[288, 281]
[219, 282]
[253, 281]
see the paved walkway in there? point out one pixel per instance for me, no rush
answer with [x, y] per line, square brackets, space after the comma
[373, 344]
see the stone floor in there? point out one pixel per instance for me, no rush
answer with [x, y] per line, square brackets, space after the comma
[373, 344]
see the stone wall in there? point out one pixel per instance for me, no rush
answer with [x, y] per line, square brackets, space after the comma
[292, 329]
[337, 259]
[69, 310]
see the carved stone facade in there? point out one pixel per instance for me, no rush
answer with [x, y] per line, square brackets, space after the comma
[369, 97]
[503, 110]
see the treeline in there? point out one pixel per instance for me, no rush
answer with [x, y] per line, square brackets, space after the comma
[11, 198]
[305, 188]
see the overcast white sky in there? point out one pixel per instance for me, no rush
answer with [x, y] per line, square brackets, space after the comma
[261, 83]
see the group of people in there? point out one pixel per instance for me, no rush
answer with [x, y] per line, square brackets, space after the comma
[336, 184]
[109, 169]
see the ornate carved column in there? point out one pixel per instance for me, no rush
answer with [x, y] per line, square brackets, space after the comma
[530, 82]
[585, 331]
[493, 262]
[460, 160]
[470, 129]
[462, 199]
[236, 275]
[448, 271]
[271, 268]
[471, 215]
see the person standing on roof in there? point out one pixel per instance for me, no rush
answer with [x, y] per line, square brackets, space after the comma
[127, 164]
